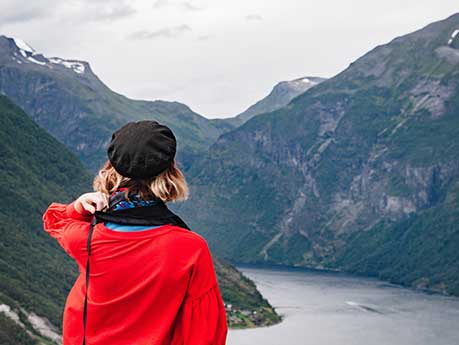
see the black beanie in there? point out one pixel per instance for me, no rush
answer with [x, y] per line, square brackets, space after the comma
[142, 149]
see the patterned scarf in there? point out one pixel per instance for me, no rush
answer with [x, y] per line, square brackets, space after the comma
[137, 211]
[118, 201]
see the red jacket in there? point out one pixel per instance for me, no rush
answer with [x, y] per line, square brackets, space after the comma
[152, 287]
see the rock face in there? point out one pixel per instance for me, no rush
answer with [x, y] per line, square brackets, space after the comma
[75, 106]
[280, 95]
[359, 173]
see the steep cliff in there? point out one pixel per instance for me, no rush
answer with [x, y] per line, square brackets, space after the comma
[357, 173]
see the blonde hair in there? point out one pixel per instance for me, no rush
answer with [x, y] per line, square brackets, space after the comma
[170, 185]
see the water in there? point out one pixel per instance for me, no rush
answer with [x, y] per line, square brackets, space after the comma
[336, 309]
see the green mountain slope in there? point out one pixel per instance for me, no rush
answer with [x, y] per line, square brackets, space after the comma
[35, 272]
[76, 107]
[331, 179]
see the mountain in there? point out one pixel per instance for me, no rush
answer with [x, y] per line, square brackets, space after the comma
[76, 107]
[35, 272]
[280, 95]
[359, 173]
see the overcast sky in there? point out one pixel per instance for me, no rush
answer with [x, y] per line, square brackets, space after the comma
[216, 56]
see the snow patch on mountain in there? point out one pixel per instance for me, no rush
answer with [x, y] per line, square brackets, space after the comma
[302, 84]
[78, 67]
[30, 55]
[22, 45]
[31, 59]
[453, 35]
[308, 81]
[16, 59]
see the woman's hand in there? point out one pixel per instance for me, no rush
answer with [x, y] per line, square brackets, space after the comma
[91, 202]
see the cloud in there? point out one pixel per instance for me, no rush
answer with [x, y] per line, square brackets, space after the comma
[189, 6]
[12, 13]
[79, 10]
[160, 3]
[254, 16]
[167, 32]
[203, 37]
[111, 11]
[186, 5]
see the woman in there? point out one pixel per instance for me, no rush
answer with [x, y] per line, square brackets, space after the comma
[150, 280]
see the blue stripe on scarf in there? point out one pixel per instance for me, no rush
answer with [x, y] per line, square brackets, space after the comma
[118, 202]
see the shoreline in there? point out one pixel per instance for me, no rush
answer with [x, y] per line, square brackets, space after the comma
[323, 270]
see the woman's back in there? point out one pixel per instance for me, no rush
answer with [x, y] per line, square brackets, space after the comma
[154, 286]
[149, 286]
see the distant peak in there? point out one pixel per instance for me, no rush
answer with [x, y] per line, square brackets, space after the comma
[309, 80]
[23, 53]
[300, 84]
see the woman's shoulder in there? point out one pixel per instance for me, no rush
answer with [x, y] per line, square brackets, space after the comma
[189, 236]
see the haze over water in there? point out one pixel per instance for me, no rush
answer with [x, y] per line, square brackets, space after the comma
[336, 309]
